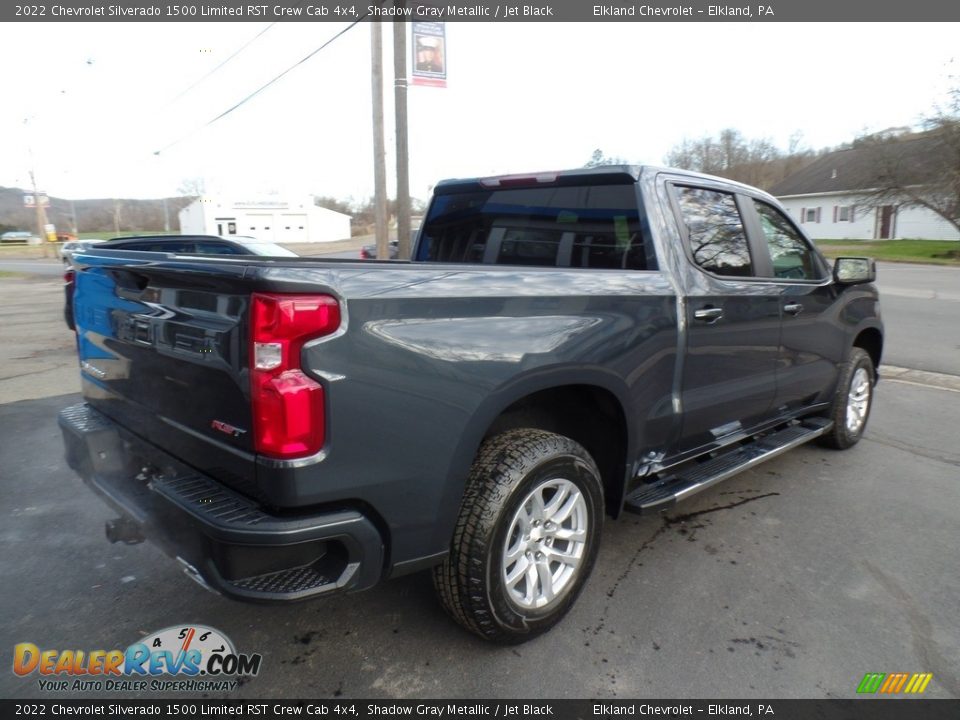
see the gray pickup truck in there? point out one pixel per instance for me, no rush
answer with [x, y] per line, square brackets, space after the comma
[562, 347]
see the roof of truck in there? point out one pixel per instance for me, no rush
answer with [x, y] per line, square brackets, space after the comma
[602, 174]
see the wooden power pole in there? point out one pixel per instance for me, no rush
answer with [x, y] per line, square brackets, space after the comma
[379, 150]
[41, 215]
[400, 101]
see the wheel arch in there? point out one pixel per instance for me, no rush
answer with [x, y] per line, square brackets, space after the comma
[870, 339]
[589, 406]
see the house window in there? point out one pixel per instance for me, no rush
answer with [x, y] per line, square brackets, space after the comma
[811, 215]
[843, 213]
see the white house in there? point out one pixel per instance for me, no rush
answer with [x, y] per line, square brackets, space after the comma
[269, 219]
[827, 198]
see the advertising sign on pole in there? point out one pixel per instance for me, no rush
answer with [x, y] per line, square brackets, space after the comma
[429, 48]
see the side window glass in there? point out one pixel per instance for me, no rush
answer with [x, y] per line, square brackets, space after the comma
[164, 247]
[214, 248]
[792, 258]
[718, 242]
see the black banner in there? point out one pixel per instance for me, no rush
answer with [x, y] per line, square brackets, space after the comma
[865, 709]
[483, 11]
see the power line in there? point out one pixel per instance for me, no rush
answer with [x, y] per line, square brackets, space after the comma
[264, 86]
[240, 50]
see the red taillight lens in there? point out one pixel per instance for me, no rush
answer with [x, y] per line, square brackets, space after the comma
[68, 276]
[288, 406]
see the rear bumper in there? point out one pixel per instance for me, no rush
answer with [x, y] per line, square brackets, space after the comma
[223, 539]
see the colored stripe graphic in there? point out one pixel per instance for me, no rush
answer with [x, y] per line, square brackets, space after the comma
[893, 683]
[871, 682]
[927, 677]
[889, 682]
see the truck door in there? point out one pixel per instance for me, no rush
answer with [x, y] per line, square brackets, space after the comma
[732, 318]
[811, 341]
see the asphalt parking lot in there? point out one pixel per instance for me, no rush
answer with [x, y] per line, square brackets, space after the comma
[791, 580]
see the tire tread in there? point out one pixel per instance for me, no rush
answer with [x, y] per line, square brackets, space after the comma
[460, 580]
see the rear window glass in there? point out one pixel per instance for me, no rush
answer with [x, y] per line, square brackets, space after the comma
[215, 248]
[170, 246]
[595, 226]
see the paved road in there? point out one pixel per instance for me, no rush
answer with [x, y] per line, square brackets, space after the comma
[33, 267]
[921, 314]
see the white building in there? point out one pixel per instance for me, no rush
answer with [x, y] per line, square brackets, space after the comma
[827, 198]
[270, 220]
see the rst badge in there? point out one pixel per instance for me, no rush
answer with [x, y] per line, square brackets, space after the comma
[227, 428]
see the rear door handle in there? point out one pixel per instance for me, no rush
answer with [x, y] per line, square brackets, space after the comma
[708, 314]
[793, 308]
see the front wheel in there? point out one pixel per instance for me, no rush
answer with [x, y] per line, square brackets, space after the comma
[526, 538]
[851, 402]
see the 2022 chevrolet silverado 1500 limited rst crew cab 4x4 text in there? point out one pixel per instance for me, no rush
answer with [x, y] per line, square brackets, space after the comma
[561, 347]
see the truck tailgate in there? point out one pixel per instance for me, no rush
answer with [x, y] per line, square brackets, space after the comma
[164, 352]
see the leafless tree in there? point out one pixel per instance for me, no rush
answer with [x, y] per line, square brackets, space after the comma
[918, 169]
[730, 155]
[192, 187]
[598, 158]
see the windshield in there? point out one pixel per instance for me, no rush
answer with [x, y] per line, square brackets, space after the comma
[594, 226]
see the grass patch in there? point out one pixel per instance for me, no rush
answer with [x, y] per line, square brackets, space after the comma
[937, 252]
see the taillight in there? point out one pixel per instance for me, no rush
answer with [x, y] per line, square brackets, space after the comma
[68, 276]
[288, 406]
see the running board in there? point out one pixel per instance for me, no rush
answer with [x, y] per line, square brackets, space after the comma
[691, 479]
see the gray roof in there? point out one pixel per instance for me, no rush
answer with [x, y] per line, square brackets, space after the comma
[918, 158]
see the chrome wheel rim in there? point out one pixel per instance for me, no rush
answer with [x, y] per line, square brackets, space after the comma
[858, 401]
[545, 545]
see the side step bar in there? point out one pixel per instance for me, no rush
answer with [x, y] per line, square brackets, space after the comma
[690, 479]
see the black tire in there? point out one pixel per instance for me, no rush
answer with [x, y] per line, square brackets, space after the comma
[509, 469]
[841, 436]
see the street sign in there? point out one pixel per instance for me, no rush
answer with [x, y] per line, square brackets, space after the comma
[30, 200]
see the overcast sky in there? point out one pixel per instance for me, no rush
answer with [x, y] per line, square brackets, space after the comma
[95, 101]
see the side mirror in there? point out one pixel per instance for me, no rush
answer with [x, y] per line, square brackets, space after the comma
[854, 270]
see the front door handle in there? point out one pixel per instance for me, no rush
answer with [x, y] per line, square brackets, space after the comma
[793, 308]
[708, 314]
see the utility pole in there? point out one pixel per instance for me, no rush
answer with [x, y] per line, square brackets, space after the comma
[166, 217]
[41, 214]
[38, 206]
[379, 150]
[400, 101]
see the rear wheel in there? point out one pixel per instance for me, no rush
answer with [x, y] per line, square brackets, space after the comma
[526, 538]
[852, 401]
